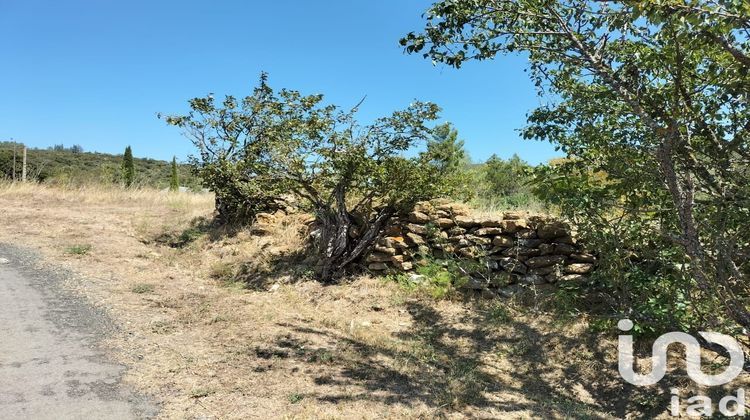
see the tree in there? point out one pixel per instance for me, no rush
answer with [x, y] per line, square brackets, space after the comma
[446, 150]
[128, 168]
[652, 94]
[505, 177]
[275, 149]
[447, 154]
[174, 180]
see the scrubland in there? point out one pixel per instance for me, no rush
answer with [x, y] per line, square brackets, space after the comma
[220, 323]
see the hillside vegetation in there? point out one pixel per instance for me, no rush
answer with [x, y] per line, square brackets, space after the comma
[73, 166]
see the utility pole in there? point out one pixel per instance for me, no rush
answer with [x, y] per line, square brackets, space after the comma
[14, 160]
[23, 171]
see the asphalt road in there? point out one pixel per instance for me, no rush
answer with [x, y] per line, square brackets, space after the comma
[50, 364]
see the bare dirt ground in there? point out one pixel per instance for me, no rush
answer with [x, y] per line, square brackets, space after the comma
[280, 346]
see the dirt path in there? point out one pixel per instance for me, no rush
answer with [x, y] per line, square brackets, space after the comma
[50, 366]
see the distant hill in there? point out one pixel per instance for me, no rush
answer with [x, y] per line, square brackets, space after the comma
[72, 165]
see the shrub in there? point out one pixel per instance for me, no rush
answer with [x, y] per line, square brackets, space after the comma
[273, 149]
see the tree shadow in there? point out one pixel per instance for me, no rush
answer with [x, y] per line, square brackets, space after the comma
[466, 365]
[284, 268]
[198, 227]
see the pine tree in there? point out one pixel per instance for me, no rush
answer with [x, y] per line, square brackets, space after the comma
[128, 169]
[174, 181]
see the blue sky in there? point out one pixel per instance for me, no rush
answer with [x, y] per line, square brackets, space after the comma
[96, 72]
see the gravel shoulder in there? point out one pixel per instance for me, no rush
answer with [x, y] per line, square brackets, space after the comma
[51, 364]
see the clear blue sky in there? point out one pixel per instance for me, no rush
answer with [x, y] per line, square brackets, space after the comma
[96, 72]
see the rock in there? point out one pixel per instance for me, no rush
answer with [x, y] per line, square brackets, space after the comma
[513, 215]
[424, 207]
[491, 221]
[578, 268]
[543, 271]
[530, 243]
[419, 217]
[398, 259]
[377, 266]
[472, 283]
[585, 258]
[393, 230]
[416, 278]
[566, 240]
[546, 249]
[512, 265]
[554, 277]
[526, 234]
[404, 266]
[463, 242]
[414, 239]
[395, 242]
[491, 264]
[469, 252]
[573, 278]
[444, 222]
[564, 249]
[521, 252]
[510, 291]
[384, 250]
[479, 240]
[456, 231]
[260, 229]
[552, 229]
[545, 261]
[488, 294]
[488, 231]
[454, 209]
[532, 279]
[423, 250]
[4, 261]
[378, 257]
[513, 226]
[418, 229]
[466, 221]
[501, 279]
[265, 218]
[447, 248]
[502, 241]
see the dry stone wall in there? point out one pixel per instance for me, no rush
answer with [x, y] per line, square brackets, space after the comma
[505, 250]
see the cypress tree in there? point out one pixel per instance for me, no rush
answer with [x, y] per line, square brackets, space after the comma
[174, 181]
[128, 168]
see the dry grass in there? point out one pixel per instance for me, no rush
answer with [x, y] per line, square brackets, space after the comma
[225, 324]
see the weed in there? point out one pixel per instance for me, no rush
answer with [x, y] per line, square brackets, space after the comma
[499, 314]
[433, 279]
[222, 271]
[295, 398]
[141, 288]
[78, 249]
[201, 392]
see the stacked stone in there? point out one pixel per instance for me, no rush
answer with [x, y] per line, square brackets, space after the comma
[513, 247]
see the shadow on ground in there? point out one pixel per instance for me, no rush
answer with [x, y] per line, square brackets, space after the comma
[476, 364]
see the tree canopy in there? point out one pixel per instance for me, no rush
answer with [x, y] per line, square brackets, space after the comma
[271, 150]
[655, 96]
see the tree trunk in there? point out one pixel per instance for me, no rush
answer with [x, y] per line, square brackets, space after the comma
[337, 248]
[682, 197]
